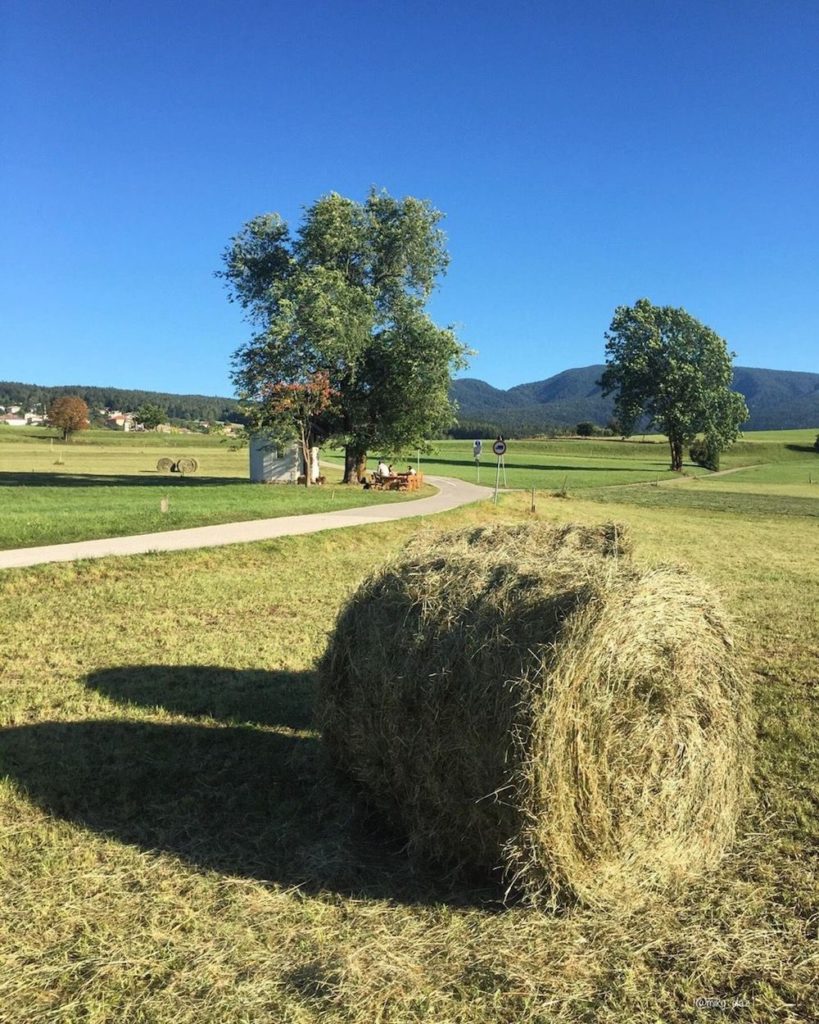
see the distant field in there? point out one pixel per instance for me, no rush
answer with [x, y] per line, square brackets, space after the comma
[52, 493]
[772, 503]
[804, 436]
[104, 483]
[110, 438]
[547, 464]
[772, 474]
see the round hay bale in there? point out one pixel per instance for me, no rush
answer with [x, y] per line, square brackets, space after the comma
[522, 699]
[186, 465]
[164, 464]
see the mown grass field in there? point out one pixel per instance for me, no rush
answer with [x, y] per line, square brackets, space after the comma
[588, 463]
[105, 484]
[170, 851]
[548, 464]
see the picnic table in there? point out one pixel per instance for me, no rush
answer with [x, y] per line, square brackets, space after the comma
[397, 482]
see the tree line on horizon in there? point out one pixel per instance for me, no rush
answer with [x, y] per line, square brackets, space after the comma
[176, 407]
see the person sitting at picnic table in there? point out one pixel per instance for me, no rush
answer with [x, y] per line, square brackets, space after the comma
[383, 470]
[410, 470]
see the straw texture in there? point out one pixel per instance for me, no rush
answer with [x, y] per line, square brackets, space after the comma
[526, 700]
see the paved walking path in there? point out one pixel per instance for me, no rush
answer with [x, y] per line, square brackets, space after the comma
[451, 494]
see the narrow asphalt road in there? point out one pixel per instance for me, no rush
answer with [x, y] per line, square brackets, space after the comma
[451, 494]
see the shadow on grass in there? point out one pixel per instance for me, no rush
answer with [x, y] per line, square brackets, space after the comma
[558, 467]
[232, 696]
[240, 799]
[149, 478]
[807, 448]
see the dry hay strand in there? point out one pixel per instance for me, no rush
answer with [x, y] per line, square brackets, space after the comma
[524, 700]
[612, 539]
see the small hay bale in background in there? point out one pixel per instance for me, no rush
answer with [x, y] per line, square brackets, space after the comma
[522, 699]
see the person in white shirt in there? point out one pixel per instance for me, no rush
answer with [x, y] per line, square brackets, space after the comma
[383, 469]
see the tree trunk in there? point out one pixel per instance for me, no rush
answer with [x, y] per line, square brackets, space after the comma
[355, 464]
[676, 454]
[306, 460]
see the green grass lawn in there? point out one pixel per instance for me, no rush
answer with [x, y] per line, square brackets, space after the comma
[547, 464]
[805, 436]
[171, 854]
[716, 496]
[51, 493]
[780, 478]
[104, 483]
[796, 473]
[106, 438]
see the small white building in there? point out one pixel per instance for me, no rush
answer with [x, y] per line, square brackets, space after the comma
[278, 464]
[120, 420]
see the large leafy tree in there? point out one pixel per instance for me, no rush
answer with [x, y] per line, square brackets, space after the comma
[665, 365]
[345, 297]
[150, 415]
[69, 414]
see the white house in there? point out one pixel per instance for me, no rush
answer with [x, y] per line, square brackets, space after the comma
[120, 420]
[270, 464]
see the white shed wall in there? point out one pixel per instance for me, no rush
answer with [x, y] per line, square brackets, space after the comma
[266, 467]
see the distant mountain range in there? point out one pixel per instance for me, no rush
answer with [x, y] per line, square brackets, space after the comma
[777, 400]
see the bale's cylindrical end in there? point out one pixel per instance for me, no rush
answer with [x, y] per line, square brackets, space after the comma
[525, 699]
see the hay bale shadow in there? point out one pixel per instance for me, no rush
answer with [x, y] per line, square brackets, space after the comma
[242, 801]
[234, 696]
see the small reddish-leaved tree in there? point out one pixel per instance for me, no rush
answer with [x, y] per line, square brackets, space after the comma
[69, 413]
[298, 406]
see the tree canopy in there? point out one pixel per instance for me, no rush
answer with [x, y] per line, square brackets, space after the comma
[150, 415]
[665, 365]
[345, 298]
[69, 414]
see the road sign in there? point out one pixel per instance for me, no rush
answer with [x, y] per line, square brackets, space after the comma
[476, 449]
[499, 448]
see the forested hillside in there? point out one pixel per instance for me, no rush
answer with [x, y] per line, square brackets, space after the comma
[177, 407]
[777, 400]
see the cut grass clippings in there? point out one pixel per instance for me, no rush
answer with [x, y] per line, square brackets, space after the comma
[168, 852]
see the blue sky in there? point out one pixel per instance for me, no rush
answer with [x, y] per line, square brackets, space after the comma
[585, 154]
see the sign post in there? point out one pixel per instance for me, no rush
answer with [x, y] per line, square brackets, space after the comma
[499, 448]
[476, 454]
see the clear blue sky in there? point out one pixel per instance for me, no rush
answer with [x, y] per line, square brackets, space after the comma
[586, 154]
